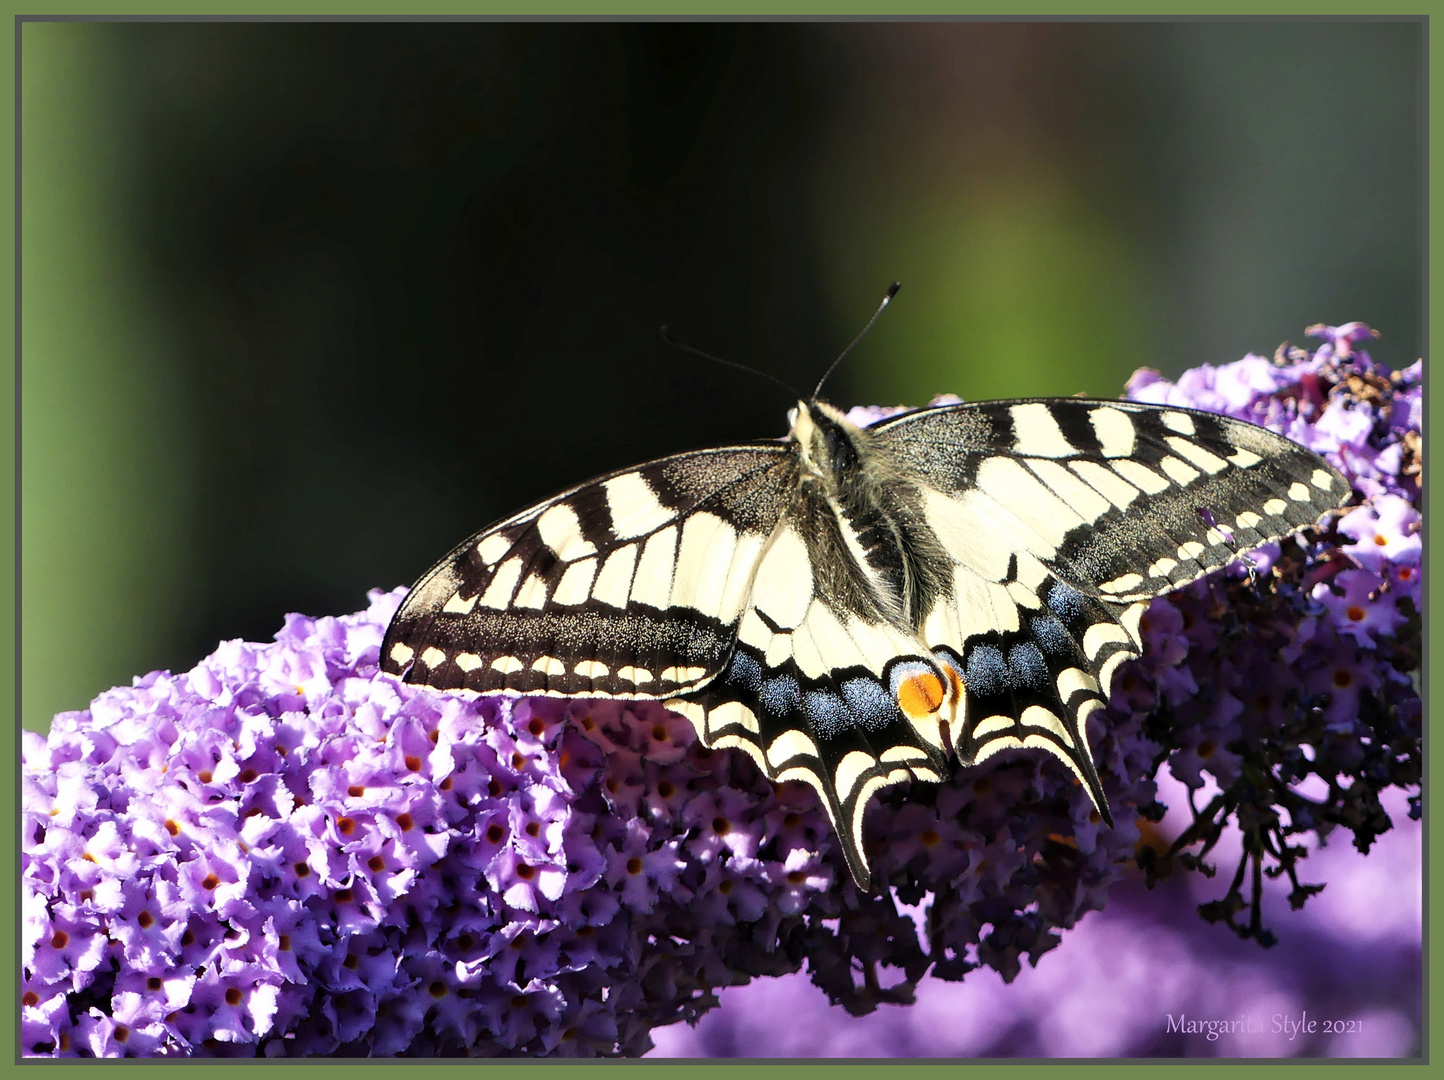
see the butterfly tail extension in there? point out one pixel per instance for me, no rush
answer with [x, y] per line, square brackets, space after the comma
[1036, 684]
[847, 738]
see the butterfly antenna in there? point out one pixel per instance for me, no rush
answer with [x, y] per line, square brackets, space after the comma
[886, 300]
[670, 340]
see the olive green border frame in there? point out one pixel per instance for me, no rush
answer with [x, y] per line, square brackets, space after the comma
[440, 10]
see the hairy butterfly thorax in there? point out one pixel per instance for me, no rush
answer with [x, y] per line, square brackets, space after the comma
[854, 607]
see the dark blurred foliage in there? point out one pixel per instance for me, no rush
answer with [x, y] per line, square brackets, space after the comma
[445, 253]
[412, 275]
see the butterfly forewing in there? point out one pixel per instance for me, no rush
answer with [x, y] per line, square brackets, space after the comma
[1123, 500]
[628, 586]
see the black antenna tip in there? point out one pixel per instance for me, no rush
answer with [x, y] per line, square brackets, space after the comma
[891, 292]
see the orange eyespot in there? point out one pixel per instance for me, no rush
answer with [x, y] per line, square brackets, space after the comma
[920, 695]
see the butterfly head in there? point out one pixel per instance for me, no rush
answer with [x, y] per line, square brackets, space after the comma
[825, 437]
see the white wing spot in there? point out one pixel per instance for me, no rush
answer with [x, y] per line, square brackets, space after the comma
[1122, 583]
[1100, 634]
[1023, 596]
[457, 606]
[1106, 482]
[739, 574]
[576, 584]
[549, 665]
[1013, 489]
[493, 548]
[969, 529]
[682, 674]
[503, 584]
[1038, 717]
[1140, 475]
[468, 661]
[732, 712]
[1042, 742]
[532, 594]
[433, 657]
[1105, 673]
[1209, 463]
[1162, 568]
[1298, 492]
[634, 675]
[1036, 432]
[864, 795]
[561, 530]
[1321, 480]
[1002, 742]
[1114, 429]
[699, 580]
[1132, 619]
[1179, 472]
[634, 506]
[992, 724]
[1244, 459]
[779, 649]
[1191, 550]
[789, 745]
[592, 669]
[1275, 507]
[849, 770]
[1179, 422]
[698, 715]
[402, 653]
[1071, 680]
[980, 606]
[614, 583]
[1086, 710]
[1031, 572]
[653, 582]
[783, 587]
[804, 773]
[1248, 519]
[507, 664]
[1078, 495]
[902, 753]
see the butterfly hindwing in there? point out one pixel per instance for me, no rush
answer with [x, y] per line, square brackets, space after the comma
[628, 586]
[1035, 678]
[823, 699]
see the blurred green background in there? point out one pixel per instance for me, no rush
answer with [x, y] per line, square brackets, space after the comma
[304, 305]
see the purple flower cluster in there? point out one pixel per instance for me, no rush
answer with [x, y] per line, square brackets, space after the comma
[1283, 689]
[284, 852]
[1135, 979]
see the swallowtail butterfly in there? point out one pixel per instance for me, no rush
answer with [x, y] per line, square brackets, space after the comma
[855, 606]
